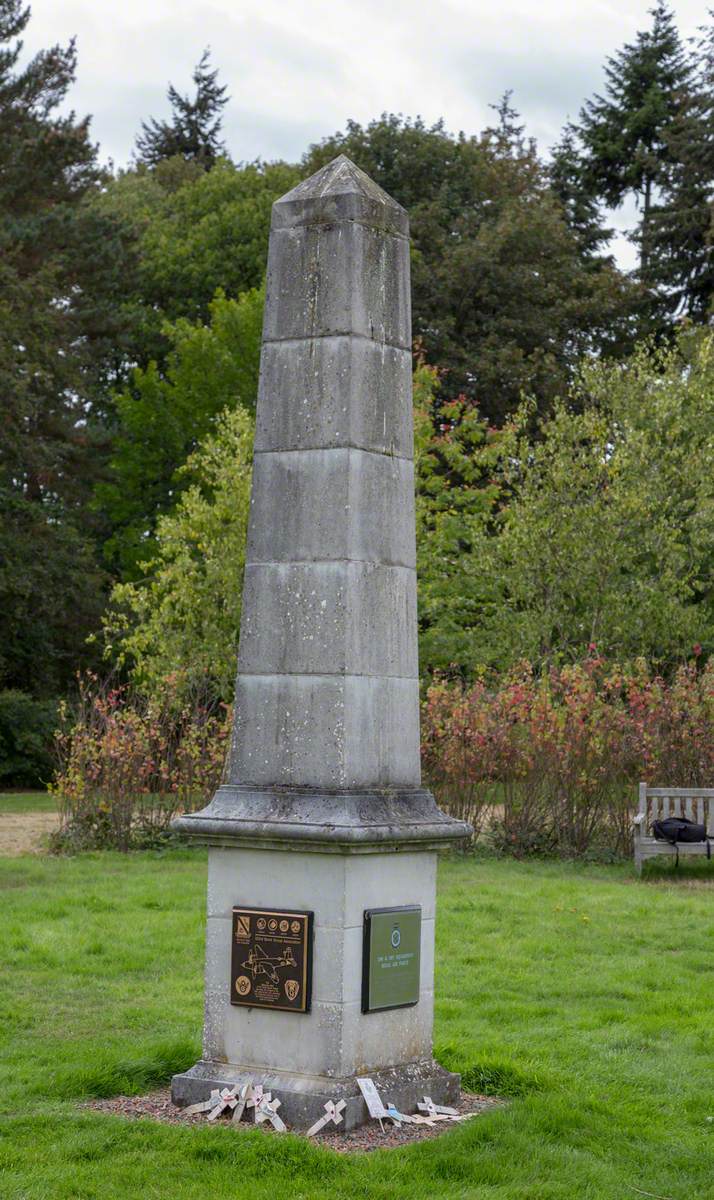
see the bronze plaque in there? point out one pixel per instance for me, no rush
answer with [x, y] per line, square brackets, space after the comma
[271, 959]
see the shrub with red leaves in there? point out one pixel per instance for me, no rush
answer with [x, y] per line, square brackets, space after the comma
[128, 764]
[550, 762]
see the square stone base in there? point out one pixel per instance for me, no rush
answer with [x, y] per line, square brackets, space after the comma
[335, 1039]
[309, 1058]
[303, 1098]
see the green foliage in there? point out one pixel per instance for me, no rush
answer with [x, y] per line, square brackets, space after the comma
[651, 135]
[61, 262]
[164, 414]
[562, 1016]
[455, 454]
[51, 595]
[532, 542]
[682, 226]
[211, 233]
[59, 270]
[185, 614]
[26, 735]
[568, 174]
[504, 299]
[194, 131]
[197, 231]
[184, 611]
[608, 537]
[193, 349]
[625, 132]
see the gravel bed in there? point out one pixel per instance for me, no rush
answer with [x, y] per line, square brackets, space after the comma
[158, 1107]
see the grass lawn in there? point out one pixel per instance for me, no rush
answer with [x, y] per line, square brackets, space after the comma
[583, 995]
[20, 802]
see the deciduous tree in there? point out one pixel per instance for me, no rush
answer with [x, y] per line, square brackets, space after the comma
[164, 413]
[607, 538]
[182, 619]
[456, 459]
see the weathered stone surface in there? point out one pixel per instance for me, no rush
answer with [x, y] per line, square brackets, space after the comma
[335, 1039]
[335, 391]
[370, 882]
[332, 1040]
[326, 731]
[303, 1097]
[332, 505]
[340, 192]
[311, 292]
[234, 879]
[337, 887]
[329, 618]
[358, 821]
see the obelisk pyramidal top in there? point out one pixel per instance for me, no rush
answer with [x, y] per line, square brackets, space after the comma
[327, 693]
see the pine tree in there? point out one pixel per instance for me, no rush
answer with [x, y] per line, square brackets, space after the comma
[60, 262]
[625, 133]
[581, 208]
[193, 133]
[683, 223]
[507, 137]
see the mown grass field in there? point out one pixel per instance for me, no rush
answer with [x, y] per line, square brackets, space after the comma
[582, 995]
[20, 802]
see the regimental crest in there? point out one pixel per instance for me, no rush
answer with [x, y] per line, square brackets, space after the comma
[292, 987]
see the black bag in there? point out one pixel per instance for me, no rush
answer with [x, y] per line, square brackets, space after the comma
[681, 829]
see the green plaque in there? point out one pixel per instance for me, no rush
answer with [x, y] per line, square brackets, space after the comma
[391, 953]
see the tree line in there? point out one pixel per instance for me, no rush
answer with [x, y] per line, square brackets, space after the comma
[131, 304]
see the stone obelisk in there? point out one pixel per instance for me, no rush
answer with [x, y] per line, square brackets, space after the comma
[323, 821]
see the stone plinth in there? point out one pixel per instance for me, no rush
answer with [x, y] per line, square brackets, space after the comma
[311, 1058]
[323, 807]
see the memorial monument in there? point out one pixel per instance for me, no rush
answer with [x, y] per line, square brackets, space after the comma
[322, 842]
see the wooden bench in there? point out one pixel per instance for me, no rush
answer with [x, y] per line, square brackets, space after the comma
[657, 803]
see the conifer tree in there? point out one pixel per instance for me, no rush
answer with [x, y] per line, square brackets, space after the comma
[59, 266]
[682, 242]
[581, 208]
[193, 132]
[625, 133]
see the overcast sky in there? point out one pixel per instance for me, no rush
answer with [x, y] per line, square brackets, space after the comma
[297, 69]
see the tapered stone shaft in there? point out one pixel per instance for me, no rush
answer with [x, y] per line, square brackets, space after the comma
[327, 691]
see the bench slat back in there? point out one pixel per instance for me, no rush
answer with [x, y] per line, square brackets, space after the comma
[695, 803]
